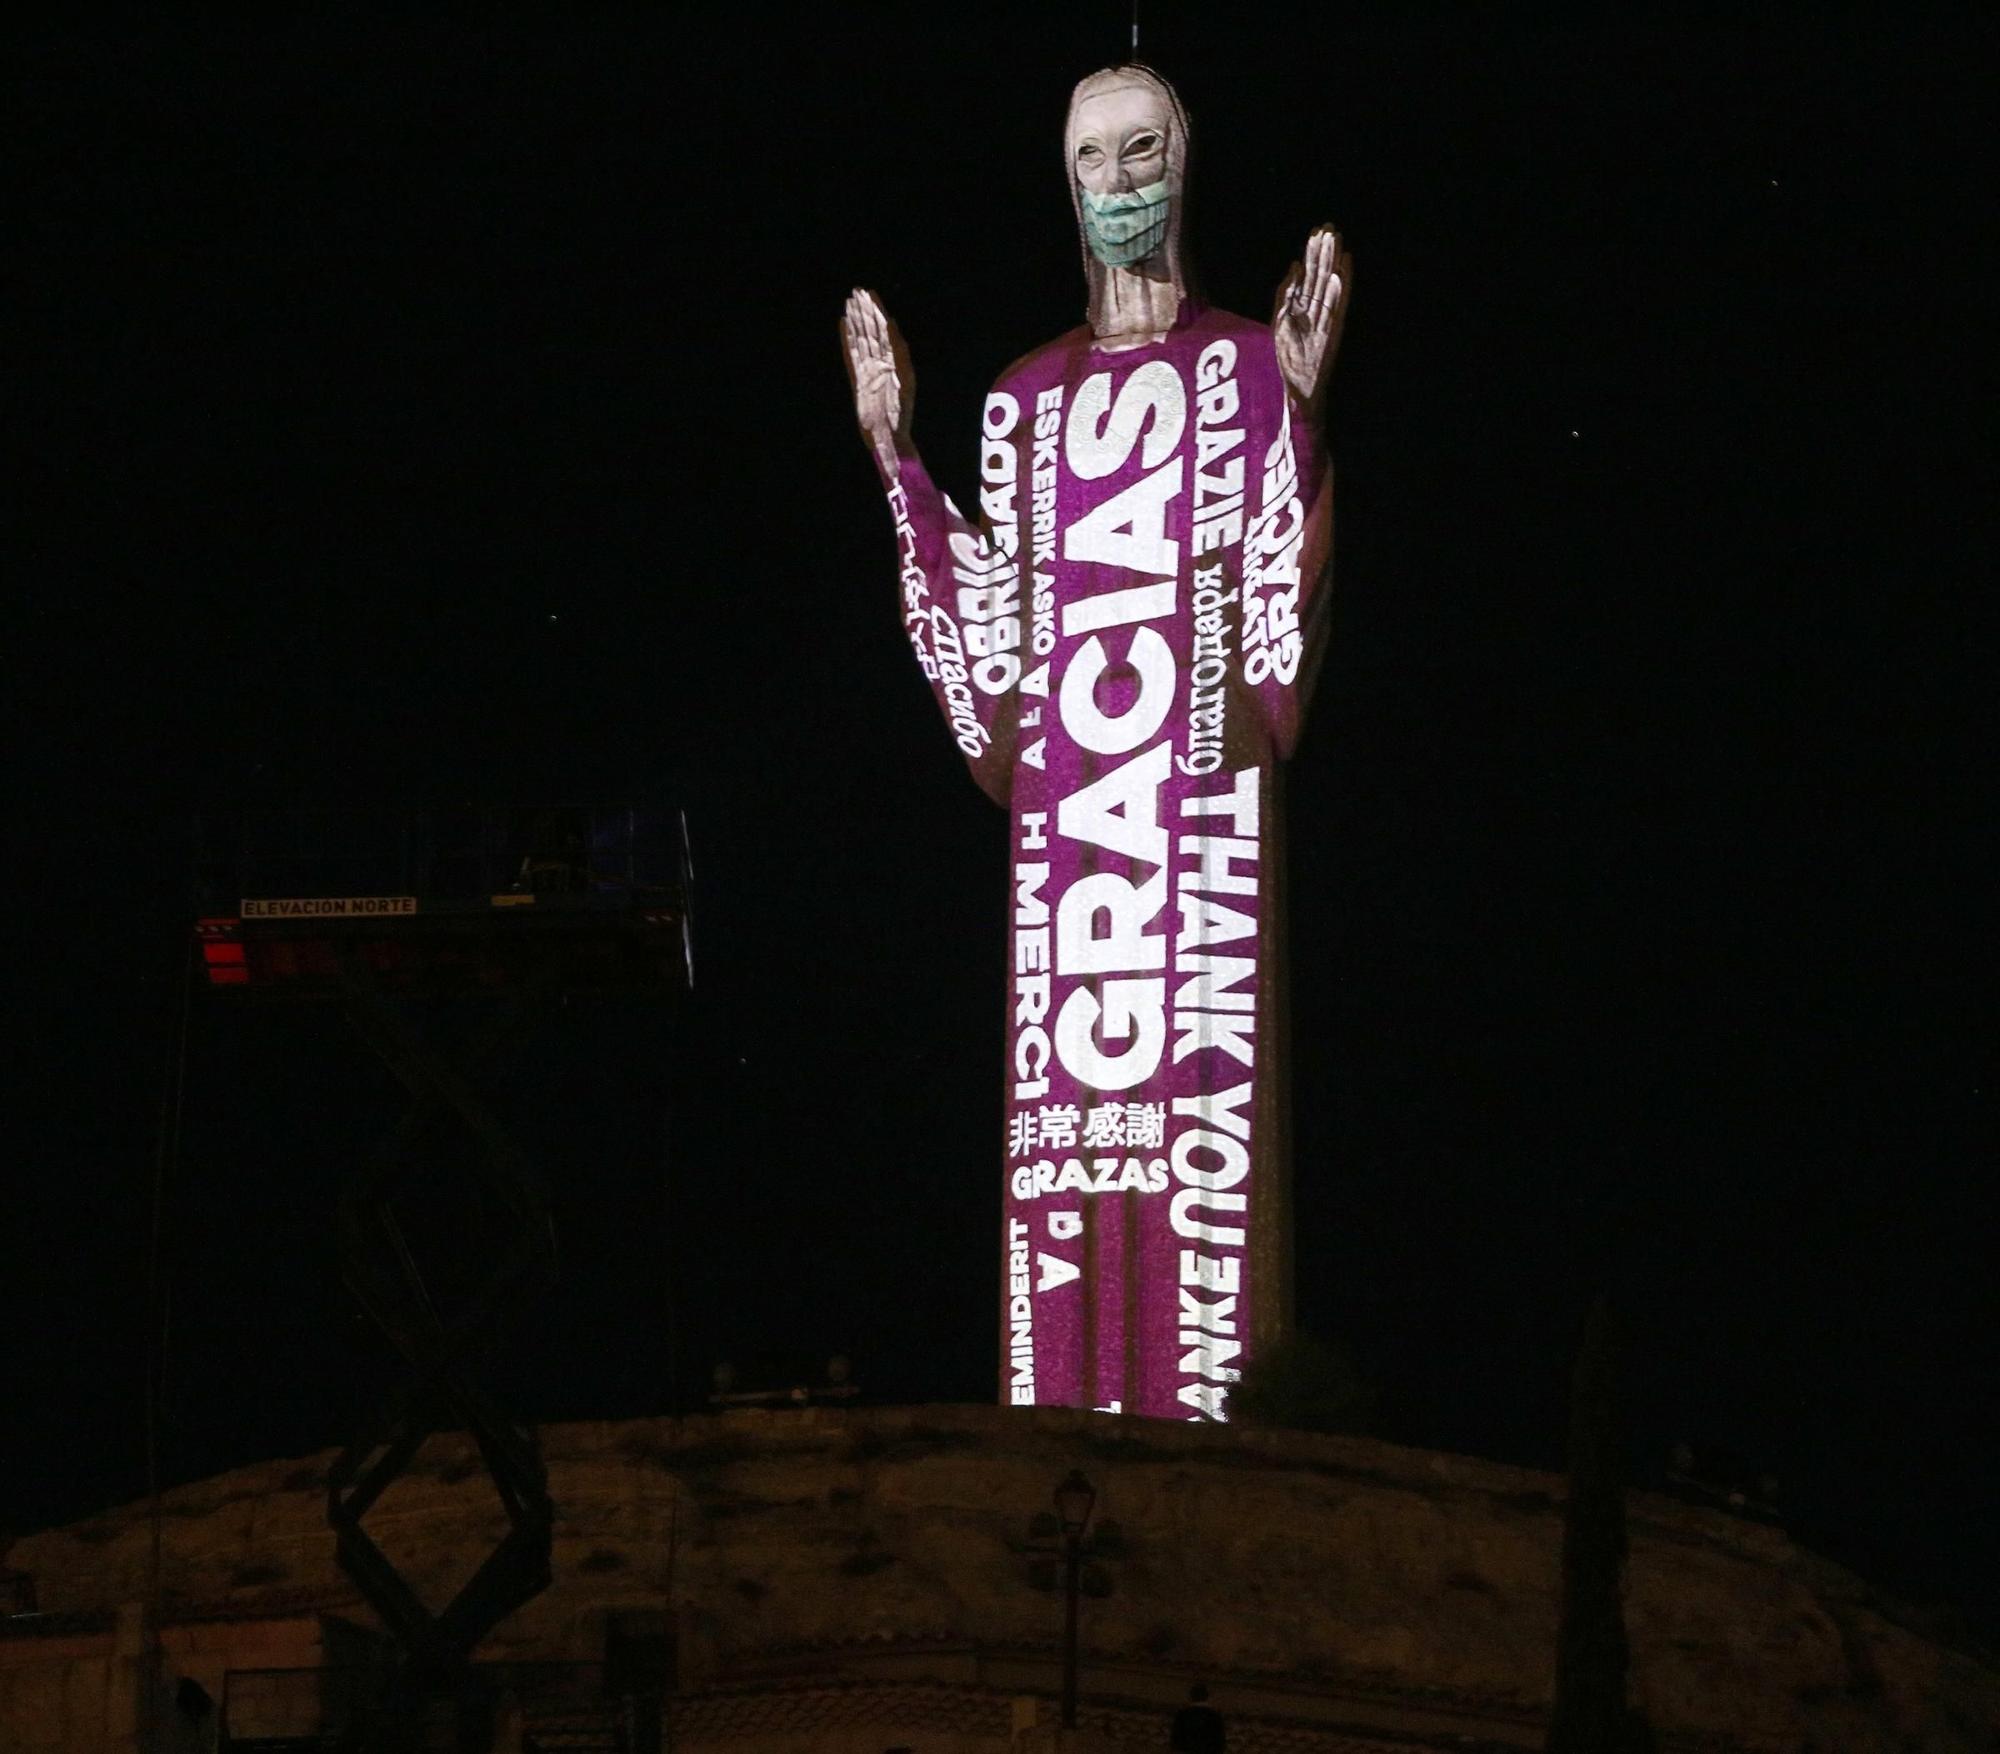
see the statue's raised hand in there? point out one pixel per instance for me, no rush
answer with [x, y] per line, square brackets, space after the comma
[878, 366]
[1312, 305]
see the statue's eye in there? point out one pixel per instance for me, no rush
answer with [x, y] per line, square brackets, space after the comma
[1142, 145]
[1088, 154]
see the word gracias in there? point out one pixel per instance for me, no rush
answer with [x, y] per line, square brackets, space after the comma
[1110, 1032]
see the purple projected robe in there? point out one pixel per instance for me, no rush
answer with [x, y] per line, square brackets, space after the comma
[1121, 645]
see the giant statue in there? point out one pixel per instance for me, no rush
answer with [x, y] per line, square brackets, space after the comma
[1122, 642]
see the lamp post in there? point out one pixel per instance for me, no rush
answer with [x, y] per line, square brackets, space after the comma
[1074, 1499]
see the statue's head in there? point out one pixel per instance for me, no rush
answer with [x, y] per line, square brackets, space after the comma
[1126, 144]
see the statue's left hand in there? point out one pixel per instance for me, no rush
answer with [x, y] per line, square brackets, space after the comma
[1312, 306]
[878, 367]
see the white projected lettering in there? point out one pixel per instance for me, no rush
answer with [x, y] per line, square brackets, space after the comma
[1102, 431]
[1117, 638]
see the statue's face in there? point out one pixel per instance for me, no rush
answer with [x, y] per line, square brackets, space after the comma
[1118, 155]
[1118, 141]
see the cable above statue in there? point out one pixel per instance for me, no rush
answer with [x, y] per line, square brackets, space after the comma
[1122, 643]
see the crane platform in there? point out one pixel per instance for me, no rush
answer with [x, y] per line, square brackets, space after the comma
[434, 902]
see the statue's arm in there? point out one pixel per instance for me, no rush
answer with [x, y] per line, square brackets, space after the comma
[928, 529]
[1305, 334]
[1285, 631]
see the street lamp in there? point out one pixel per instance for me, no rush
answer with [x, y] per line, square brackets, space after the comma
[1074, 1499]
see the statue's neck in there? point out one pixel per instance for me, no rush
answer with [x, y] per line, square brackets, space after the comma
[1133, 307]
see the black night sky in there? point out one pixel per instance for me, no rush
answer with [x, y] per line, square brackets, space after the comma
[417, 410]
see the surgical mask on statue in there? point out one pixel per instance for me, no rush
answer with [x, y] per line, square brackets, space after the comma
[1123, 229]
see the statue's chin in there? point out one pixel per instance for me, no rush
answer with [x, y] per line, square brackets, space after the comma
[1153, 267]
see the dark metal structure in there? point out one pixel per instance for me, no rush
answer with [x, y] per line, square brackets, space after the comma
[490, 914]
[456, 901]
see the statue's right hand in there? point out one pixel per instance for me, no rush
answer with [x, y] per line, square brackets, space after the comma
[878, 366]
